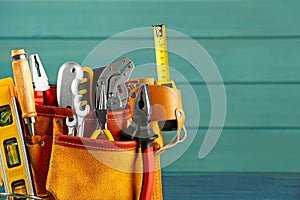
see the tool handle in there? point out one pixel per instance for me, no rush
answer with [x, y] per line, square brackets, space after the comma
[106, 132]
[23, 83]
[148, 174]
[108, 135]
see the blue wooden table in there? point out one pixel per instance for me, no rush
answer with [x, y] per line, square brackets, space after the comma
[232, 186]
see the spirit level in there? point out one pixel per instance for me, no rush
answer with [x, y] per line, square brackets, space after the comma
[161, 54]
[14, 163]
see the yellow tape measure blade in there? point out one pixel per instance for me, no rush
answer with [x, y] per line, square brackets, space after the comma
[161, 54]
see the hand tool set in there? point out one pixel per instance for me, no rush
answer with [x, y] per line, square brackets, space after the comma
[92, 116]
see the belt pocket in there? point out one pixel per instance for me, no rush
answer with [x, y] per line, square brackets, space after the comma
[83, 168]
[50, 120]
[39, 149]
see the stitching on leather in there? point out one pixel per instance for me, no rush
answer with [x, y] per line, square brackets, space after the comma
[95, 148]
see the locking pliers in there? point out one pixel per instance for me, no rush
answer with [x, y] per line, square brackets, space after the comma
[112, 79]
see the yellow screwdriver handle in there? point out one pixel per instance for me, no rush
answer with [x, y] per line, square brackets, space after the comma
[23, 83]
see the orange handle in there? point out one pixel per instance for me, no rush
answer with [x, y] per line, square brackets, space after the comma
[23, 83]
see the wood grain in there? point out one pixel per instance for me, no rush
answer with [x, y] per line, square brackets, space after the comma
[239, 61]
[194, 18]
[238, 150]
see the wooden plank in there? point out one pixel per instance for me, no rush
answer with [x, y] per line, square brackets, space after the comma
[238, 61]
[271, 104]
[53, 53]
[250, 105]
[243, 60]
[263, 105]
[244, 150]
[195, 18]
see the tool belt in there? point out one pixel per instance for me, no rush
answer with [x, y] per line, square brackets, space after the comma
[68, 167]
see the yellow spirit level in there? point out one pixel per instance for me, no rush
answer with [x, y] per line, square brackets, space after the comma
[161, 54]
[14, 163]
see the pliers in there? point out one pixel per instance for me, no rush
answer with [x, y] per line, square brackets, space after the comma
[113, 77]
[111, 93]
[101, 113]
[140, 130]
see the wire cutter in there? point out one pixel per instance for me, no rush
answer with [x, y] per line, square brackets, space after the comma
[140, 130]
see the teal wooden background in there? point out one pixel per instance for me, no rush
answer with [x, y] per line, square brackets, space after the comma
[255, 44]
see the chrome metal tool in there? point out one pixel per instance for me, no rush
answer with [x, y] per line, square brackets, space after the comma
[43, 93]
[66, 75]
[81, 114]
[113, 78]
[71, 125]
[38, 74]
[101, 113]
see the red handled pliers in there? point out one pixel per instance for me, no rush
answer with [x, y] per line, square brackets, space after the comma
[140, 130]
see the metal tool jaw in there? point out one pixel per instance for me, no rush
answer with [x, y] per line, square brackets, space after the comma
[140, 128]
[112, 80]
[101, 106]
[142, 107]
[38, 74]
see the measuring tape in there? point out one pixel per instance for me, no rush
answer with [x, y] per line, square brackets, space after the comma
[14, 163]
[161, 54]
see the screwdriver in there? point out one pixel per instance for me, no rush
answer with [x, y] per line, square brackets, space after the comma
[24, 87]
